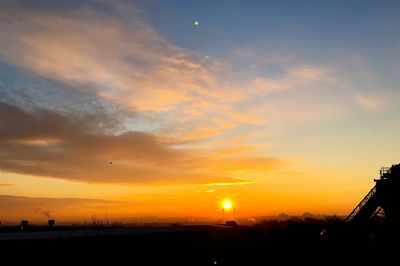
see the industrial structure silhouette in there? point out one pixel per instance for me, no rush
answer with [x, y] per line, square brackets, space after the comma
[381, 200]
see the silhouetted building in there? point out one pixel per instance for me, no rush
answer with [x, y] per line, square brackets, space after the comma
[383, 198]
[51, 222]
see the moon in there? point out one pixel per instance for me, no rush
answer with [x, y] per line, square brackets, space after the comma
[196, 23]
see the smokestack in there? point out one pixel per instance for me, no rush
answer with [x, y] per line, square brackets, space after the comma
[52, 222]
[24, 224]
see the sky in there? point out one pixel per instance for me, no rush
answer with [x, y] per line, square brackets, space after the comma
[127, 109]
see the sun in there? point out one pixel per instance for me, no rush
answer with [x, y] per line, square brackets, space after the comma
[227, 204]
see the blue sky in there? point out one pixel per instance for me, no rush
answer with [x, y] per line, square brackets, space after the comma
[315, 28]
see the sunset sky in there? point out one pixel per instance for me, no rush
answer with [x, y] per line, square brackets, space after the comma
[129, 109]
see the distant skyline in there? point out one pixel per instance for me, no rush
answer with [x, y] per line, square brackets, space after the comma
[129, 108]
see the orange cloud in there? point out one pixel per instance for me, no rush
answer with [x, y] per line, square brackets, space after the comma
[309, 72]
[228, 184]
[84, 152]
[6, 185]
[226, 124]
[243, 165]
[374, 101]
[247, 119]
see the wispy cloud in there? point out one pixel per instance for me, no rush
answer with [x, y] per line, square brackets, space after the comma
[309, 72]
[123, 58]
[228, 184]
[6, 185]
[374, 101]
[47, 143]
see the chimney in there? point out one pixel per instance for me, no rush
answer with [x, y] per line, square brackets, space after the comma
[52, 222]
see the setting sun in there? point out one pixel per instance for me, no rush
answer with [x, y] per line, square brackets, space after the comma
[227, 204]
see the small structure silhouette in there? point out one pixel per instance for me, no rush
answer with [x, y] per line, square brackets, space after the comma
[51, 222]
[24, 224]
[382, 198]
[231, 223]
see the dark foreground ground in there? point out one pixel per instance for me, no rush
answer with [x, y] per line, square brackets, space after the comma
[271, 243]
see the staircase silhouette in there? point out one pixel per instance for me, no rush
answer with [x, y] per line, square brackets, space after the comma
[385, 195]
